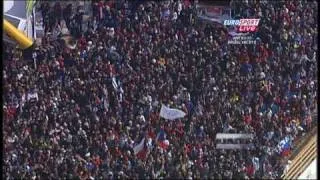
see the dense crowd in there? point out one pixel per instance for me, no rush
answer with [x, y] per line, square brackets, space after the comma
[78, 113]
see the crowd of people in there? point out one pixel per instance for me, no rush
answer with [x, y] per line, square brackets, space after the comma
[78, 113]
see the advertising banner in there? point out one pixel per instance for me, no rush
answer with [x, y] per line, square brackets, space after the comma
[215, 14]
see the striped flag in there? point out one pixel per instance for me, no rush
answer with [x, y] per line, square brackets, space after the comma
[161, 136]
[284, 146]
[140, 150]
[161, 139]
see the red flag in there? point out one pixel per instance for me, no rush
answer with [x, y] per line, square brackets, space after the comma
[142, 154]
[164, 144]
[250, 170]
[285, 152]
[247, 119]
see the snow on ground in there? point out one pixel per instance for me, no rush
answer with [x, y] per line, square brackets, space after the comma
[310, 172]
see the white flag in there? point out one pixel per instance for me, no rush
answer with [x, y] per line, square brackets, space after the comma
[32, 95]
[114, 83]
[255, 162]
[170, 113]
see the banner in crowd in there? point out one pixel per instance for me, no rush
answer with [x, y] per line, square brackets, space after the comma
[171, 113]
[233, 136]
[222, 137]
[235, 146]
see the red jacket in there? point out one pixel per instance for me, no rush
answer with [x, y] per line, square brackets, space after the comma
[151, 133]
[250, 170]
[247, 119]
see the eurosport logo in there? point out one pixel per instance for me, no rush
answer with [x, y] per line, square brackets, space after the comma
[243, 25]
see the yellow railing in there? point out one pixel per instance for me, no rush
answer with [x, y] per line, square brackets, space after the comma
[17, 35]
[302, 160]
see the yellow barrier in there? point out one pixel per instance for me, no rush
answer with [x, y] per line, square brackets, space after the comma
[17, 35]
[303, 159]
[304, 151]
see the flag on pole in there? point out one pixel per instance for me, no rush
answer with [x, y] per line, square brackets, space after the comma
[255, 162]
[284, 146]
[164, 144]
[171, 113]
[29, 6]
[162, 141]
[140, 150]
[161, 136]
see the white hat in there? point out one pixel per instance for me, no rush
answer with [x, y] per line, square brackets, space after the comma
[142, 118]
[86, 124]
[166, 142]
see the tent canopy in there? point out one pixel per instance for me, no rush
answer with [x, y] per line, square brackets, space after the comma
[15, 12]
[15, 8]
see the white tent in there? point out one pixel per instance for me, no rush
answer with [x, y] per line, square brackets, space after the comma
[16, 13]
